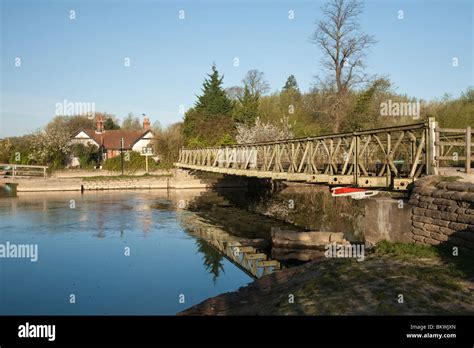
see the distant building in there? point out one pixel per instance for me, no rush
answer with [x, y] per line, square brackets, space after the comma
[108, 141]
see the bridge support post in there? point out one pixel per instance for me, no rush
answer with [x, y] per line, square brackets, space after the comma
[468, 150]
[356, 160]
[431, 164]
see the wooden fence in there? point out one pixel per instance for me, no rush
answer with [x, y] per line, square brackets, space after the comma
[21, 170]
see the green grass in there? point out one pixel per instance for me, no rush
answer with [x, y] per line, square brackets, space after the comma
[450, 178]
[456, 265]
[125, 177]
[405, 249]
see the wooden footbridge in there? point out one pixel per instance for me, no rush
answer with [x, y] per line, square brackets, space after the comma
[390, 157]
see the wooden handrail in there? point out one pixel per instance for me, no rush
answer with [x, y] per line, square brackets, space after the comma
[461, 131]
[21, 165]
[23, 168]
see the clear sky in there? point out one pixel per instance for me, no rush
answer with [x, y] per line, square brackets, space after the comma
[82, 60]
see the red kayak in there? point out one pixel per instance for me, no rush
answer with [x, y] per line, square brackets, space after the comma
[353, 192]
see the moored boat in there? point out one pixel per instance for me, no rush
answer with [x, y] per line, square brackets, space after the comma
[353, 192]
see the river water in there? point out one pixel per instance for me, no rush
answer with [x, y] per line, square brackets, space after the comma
[128, 253]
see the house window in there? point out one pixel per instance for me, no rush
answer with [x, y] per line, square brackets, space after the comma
[147, 150]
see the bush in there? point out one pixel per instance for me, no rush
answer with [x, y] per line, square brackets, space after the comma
[17, 150]
[200, 130]
[135, 162]
[168, 142]
[88, 155]
[225, 139]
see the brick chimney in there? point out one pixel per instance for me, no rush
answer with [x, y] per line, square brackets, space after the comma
[99, 124]
[146, 123]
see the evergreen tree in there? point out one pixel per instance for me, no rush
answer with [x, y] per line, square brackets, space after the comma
[213, 101]
[110, 124]
[246, 111]
[291, 84]
[210, 121]
[364, 111]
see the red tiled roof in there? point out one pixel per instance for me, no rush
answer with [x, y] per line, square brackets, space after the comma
[110, 139]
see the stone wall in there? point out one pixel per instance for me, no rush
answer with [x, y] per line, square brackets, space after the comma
[443, 212]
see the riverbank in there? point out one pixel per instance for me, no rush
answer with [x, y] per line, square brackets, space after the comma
[394, 279]
[102, 180]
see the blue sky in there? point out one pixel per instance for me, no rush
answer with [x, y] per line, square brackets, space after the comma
[82, 60]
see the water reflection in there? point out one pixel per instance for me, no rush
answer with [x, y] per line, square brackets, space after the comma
[81, 251]
[292, 254]
[212, 259]
[181, 241]
[309, 207]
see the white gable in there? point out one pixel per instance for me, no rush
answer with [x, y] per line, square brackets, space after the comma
[84, 139]
[148, 135]
[144, 141]
[82, 135]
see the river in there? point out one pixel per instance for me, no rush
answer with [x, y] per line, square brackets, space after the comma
[117, 253]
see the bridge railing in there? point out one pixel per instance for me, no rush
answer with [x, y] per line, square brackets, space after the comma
[454, 147]
[370, 158]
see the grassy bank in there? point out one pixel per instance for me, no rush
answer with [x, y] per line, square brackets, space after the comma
[394, 279]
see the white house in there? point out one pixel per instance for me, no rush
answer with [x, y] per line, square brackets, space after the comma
[109, 141]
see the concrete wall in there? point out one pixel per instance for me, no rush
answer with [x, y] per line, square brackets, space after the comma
[443, 212]
[387, 218]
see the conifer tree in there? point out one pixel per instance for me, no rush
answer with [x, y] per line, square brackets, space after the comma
[246, 111]
[213, 101]
[210, 121]
[291, 84]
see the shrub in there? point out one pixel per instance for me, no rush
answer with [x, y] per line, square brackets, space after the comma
[88, 155]
[168, 142]
[131, 163]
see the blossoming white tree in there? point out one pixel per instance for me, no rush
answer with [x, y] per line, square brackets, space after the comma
[262, 131]
[52, 145]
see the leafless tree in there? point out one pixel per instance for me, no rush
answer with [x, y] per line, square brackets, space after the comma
[255, 82]
[344, 48]
[343, 43]
[234, 92]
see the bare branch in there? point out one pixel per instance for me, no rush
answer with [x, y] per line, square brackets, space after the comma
[343, 44]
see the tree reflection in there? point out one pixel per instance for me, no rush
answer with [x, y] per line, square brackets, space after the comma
[211, 257]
